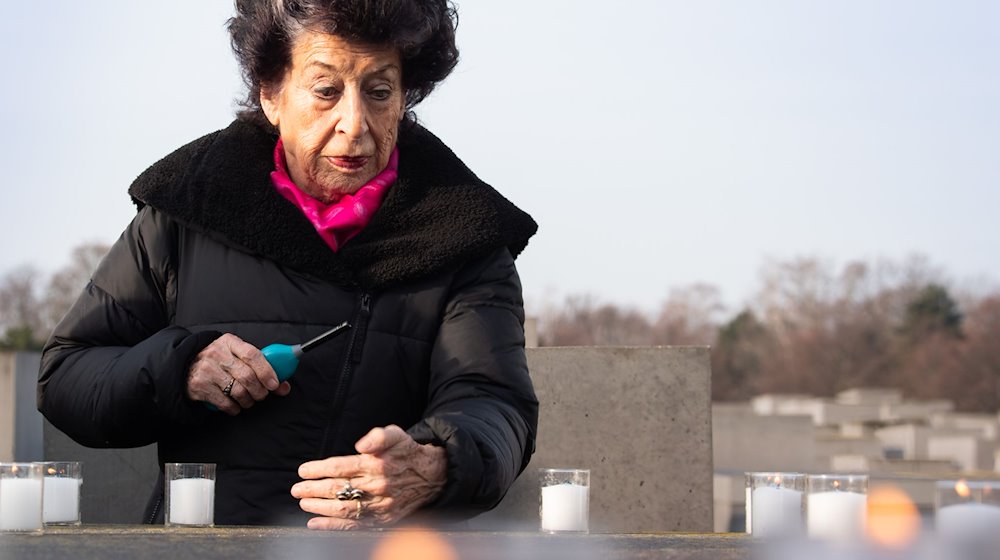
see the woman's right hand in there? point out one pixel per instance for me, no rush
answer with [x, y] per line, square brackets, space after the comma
[232, 375]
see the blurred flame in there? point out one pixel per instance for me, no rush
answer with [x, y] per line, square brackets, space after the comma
[417, 544]
[14, 469]
[777, 481]
[52, 470]
[836, 484]
[893, 519]
[962, 489]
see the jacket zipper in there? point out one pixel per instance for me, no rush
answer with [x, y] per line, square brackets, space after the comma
[361, 334]
[353, 356]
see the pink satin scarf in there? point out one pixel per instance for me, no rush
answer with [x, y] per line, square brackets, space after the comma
[338, 222]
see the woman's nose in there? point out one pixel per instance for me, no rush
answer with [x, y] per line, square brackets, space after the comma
[353, 119]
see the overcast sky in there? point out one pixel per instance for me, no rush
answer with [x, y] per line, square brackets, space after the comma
[658, 143]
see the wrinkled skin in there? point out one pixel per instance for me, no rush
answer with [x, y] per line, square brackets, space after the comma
[228, 358]
[397, 475]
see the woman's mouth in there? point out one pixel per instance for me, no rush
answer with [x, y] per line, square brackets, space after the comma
[348, 162]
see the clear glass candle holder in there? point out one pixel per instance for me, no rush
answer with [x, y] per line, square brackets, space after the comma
[190, 494]
[836, 506]
[747, 513]
[968, 511]
[21, 489]
[564, 503]
[63, 481]
[776, 504]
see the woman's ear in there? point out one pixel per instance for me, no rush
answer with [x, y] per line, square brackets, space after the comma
[270, 101]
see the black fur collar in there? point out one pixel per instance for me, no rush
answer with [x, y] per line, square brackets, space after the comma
[436, 216]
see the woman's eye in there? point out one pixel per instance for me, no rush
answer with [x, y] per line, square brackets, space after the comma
[381, 94]
[325, 92]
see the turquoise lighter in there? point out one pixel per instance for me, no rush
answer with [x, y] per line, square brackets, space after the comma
[284, 358]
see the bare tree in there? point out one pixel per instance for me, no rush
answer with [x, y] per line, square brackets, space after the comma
[27, 314]
[835, 330]
[691, 315]
[980, 359]
[67, 283]
[743, 351]
[20, 310]
[815, 329]
[582, 321]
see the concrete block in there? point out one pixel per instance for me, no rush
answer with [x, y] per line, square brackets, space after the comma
[639, 419]
[772, 404]
[8, 391]
[920, 489]
[116, 482]
[968, 452]
[914, 411]
[744, 441]
[910, 466]
[867, 446]
[880, 466]
[909, 440]
[850, 463]
[824, 412]
[870, 396]
[830, 413]
[20, 421]
[856, 430]
[827, 449]
[984, 425]
[730, 497]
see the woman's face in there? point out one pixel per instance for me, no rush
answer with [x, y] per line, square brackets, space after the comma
[338, 109]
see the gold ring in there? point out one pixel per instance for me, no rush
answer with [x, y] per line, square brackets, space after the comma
[361, 510]
[229, 388]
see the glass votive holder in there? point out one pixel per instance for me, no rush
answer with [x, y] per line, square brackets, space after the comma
[747, 509]
[190, 494]
[968, 511]
[21, 489]
[836, 506]
[61, 505]
[776, 504]
[564, 505]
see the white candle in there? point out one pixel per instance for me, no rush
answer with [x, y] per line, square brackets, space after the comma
[62, 499]
[192, 501]
[969, 521]
[564, 507]
[20, 504]
[837, 516]
[776, 511]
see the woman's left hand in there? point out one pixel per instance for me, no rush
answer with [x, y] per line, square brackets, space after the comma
[396, 474]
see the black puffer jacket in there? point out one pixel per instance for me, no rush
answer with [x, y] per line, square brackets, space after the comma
[437, 344]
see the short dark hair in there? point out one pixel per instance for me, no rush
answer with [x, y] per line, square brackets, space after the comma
[263, 31]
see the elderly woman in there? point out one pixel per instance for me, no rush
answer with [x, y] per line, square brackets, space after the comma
[323, 202]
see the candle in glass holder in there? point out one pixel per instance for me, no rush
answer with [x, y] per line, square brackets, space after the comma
[21, 491]
[61, 505]
[836, 507]
[776, 503]
[968, 512]
[190, 493]
[565, 500]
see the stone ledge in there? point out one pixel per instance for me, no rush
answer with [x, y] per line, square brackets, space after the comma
[272, 543]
